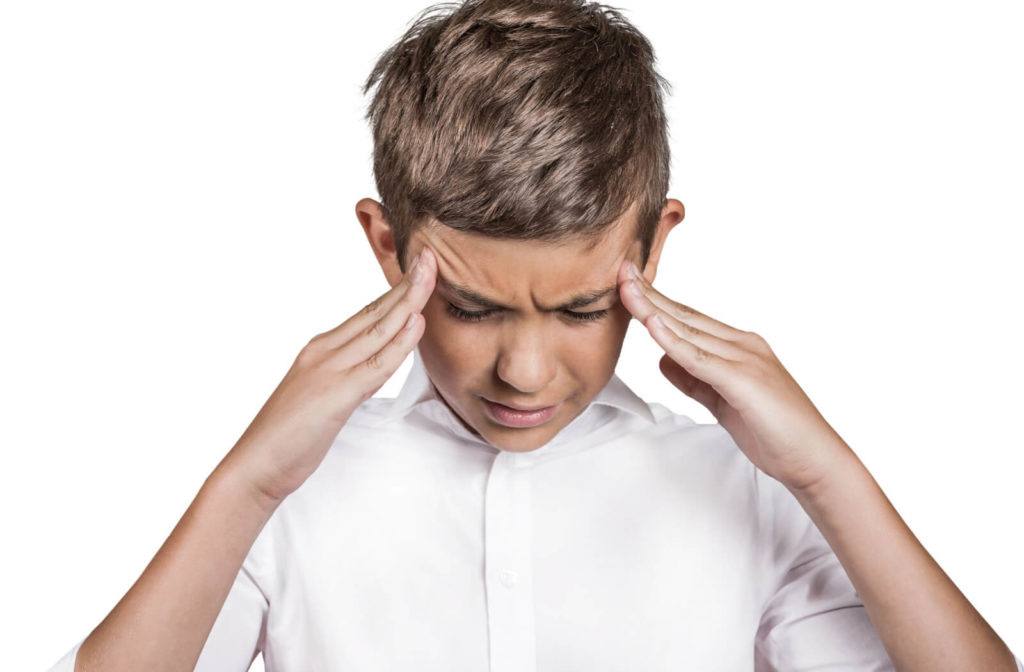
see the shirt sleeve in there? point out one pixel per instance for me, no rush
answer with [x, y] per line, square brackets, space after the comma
[812, 618]
[238, 634]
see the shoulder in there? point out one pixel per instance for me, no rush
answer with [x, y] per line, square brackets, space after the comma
[682, 432]
[691, 452]
[707, 453]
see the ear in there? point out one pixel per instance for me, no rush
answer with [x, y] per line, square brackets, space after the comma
[671, 214]
[378, 233]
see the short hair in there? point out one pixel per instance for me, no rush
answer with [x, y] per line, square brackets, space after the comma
[523, 119]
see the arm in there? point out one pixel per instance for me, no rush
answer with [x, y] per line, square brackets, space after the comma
[923, 621]
[162, 623]
[922, 618]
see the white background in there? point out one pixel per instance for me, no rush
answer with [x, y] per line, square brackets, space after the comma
[177, 183]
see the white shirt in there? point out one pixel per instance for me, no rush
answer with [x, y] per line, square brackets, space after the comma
[636, 539]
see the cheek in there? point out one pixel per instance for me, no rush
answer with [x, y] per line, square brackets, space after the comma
[603, 349]
[598, 353]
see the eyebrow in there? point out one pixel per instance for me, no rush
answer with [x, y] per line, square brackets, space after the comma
[471, 296]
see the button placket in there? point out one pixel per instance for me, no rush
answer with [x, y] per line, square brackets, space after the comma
[508, 556]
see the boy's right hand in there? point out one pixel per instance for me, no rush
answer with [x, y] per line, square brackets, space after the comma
[334, 373]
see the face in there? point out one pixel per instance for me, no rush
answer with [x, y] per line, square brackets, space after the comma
[524, 324]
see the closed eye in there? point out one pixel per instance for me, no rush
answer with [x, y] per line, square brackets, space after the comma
[477, 315]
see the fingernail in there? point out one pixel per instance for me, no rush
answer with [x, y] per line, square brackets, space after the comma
[634, 287]
[417, 271]
[634, 271]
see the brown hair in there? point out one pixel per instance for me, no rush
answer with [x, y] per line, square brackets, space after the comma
[529, 119]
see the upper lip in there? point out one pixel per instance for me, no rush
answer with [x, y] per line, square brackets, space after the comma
[518, 407]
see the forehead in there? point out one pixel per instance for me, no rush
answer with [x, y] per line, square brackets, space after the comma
[514, 268]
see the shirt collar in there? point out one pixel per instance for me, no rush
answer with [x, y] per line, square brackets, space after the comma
[418, 391]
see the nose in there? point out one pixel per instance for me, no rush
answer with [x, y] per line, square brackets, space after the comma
[524, 361]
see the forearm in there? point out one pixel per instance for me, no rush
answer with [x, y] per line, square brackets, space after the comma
[924, 621]
[163, 621]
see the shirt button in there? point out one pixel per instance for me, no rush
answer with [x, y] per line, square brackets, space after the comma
[508, 578]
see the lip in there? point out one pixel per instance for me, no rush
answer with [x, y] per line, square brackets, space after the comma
[513, 416]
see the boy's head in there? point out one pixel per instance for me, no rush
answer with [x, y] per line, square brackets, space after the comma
[524, 142]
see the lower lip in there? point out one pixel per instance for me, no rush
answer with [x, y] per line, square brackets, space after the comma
[510, 417]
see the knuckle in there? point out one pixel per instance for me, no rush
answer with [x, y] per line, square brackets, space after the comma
[310, 353]
[701, 355]
[375, 361]
[686, 311]
[376, 330]
[316, 344]
[374, 307]
[758, 342]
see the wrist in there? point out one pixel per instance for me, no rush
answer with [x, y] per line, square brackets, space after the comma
[841, 466]
[232, 477]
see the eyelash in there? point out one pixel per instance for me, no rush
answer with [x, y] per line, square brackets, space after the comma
[476, 316]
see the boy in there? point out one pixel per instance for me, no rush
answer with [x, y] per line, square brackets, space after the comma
[517, 507]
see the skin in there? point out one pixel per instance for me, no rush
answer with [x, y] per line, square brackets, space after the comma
[522, 355]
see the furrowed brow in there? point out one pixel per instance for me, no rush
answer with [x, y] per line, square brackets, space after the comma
[587, 298]
[471, 296]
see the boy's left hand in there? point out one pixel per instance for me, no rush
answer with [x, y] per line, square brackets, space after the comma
[736, 375]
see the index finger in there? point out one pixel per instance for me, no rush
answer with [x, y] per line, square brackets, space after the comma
[380, 308]
[679, 311]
